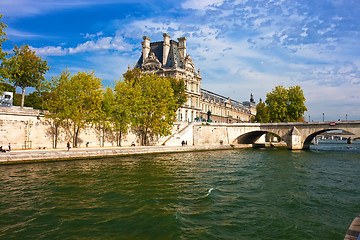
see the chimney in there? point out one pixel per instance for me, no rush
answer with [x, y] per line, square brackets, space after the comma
[166, 47]
[145, 47]
[182, 47]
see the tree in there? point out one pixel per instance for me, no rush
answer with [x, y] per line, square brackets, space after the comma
[178, 85]
[262, 114]
[285, 104]
[2, 54]
[152, 104]
[123, 101]
[7, 87]
[276, 102]
[84, 101]
[179, 88]
[296, 104]
[2, 38]
[105, 119]
[75, 100]
[132, 75]
[36, 99]
[57, 103]
[24, 69]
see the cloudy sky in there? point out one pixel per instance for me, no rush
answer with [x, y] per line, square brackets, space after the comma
[241, 46]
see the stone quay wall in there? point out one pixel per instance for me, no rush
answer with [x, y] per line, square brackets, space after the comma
[28, 129]
[29, 133]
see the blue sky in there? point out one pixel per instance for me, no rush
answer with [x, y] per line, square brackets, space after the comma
[241, 46]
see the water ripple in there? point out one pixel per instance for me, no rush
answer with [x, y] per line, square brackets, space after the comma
[244, 194]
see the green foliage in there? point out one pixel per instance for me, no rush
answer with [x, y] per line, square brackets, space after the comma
[17, 99]
[2, 38]
[179, 88]
[76, 99]
[132, 75]
[56, 103]
[36, 100]
[24, 69]
[276, 102]
[7, 87]
[123, 96]
[2, 54]
[285, 104]
[111, 119]
[84, 101]
[151, 102]
[262, 114]
[296, 103]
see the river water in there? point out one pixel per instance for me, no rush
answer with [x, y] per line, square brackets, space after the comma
[235, 194]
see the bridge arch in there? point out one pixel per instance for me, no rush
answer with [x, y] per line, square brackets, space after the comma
[251, 137]
[309, 138]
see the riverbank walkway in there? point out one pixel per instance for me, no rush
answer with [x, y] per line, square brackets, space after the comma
[24, 156]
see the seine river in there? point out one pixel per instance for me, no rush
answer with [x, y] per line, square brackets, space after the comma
[237, 194]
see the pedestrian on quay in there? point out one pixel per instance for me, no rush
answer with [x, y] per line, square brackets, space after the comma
[68, 145]
[9, 147]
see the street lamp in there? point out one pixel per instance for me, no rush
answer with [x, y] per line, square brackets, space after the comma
[309, 118]
[323, 117]
[346, 117]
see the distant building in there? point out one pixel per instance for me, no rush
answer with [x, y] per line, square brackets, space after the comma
[6, 99]
[169, 58]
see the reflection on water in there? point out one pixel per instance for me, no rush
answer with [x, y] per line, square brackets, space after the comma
[240, 194]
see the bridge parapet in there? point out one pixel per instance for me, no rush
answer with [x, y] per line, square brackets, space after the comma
[297, 135]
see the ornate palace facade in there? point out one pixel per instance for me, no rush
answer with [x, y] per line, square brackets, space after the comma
[169, 58]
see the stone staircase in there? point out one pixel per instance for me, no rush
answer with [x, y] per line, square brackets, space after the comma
[185, 134]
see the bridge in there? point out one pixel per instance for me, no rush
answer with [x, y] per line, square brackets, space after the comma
[296, 135]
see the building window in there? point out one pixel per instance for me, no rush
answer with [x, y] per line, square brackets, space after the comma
[186, 115]
[197, 102]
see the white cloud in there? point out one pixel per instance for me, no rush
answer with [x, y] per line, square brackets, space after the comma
[50, 51]
[91, 36]
[16, 33]
[116, 43]
[201, 5]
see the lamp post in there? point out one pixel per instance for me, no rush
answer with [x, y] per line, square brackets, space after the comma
[323, 117]
[346, 117]
[309, 118]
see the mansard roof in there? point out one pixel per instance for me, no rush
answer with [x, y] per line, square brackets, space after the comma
[174, 56]
[157, 48]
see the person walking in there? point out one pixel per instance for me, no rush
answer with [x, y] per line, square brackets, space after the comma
[68, 145]
[9, 147]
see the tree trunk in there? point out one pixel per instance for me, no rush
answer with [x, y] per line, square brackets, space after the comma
[120, 138]
[56, 135]
[145, 137]
[103, 136]
[22, 97]
[76, 135]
